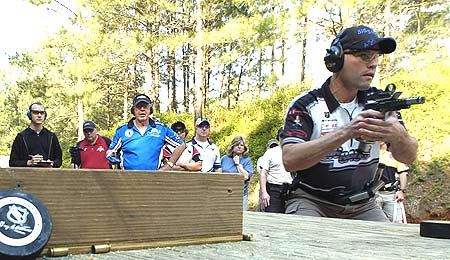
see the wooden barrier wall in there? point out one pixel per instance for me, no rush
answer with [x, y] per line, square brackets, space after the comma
[132, 209]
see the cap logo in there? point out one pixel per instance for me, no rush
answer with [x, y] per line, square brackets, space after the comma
[369, 43]
[366, 31]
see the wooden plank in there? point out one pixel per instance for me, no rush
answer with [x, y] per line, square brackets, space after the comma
[91, 207]
[280, 236]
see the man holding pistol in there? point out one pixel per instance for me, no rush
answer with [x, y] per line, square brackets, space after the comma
[324, 127]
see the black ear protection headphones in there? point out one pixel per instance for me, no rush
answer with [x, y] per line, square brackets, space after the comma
[29, 110]
[139, 96]
[334, 59]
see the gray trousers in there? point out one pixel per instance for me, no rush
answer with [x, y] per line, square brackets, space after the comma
[303, 203]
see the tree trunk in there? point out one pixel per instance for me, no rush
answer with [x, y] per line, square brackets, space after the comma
[260, 79]
[229, 91]
[387, 32]
[248, 72]
[207, 77]
[126, 108]
[283, 46]
[154, 90]
[80, 118]
[149, 74]
[303, 51]
[222, 92]
[198, 63]
[272, 68]
[238, 84]
[174, 85]
[186, 77]
[80, 92]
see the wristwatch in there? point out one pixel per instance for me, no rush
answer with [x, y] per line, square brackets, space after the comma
[402, 190]
[170, 164]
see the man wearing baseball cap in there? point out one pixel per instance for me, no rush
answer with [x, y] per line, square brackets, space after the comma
[274, 179]
[201, 153]
[90, 153]
[137, 145]
[323, 127]
[180, 129]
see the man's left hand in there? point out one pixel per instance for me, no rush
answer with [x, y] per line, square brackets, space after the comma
[386, 130]
[399, 196]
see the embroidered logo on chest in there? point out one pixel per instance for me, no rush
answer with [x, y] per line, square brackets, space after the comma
[128, 133]
[327, 126]
[154, 132]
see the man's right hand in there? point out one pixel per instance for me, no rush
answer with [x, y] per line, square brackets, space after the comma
[266, 199]
[111, 156]
[34, 159]
[362, 126]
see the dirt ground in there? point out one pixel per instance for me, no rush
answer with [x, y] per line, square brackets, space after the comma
[425, 215]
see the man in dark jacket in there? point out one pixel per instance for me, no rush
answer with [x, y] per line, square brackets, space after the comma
[36, 146]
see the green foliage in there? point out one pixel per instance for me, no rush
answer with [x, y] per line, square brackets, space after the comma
[430, 124]
[429, 187]
[432, 82]
[257, 120]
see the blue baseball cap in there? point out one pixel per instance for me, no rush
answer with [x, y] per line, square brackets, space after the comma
[88, 125]
[363, 38]
[141, 98]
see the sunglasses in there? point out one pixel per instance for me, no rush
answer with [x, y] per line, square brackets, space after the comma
[365, 56]
[141, 105]
[204, 127]
[36, 112]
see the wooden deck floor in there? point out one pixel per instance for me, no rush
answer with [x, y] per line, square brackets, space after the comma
[279, 236]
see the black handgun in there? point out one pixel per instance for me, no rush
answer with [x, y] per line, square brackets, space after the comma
[371, 188]
[385, 101]
[388, 100]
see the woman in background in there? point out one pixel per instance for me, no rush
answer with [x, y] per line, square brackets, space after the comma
[237, 161]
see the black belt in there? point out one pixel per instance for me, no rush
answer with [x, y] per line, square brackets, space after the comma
[340, 200]
[346, 201]
[281, 187]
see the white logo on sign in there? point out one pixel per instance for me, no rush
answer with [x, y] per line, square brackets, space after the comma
[17, 215]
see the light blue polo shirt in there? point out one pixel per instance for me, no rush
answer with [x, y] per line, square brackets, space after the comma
[141, 151]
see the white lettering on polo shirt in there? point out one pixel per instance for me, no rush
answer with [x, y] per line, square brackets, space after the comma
[154, 132]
